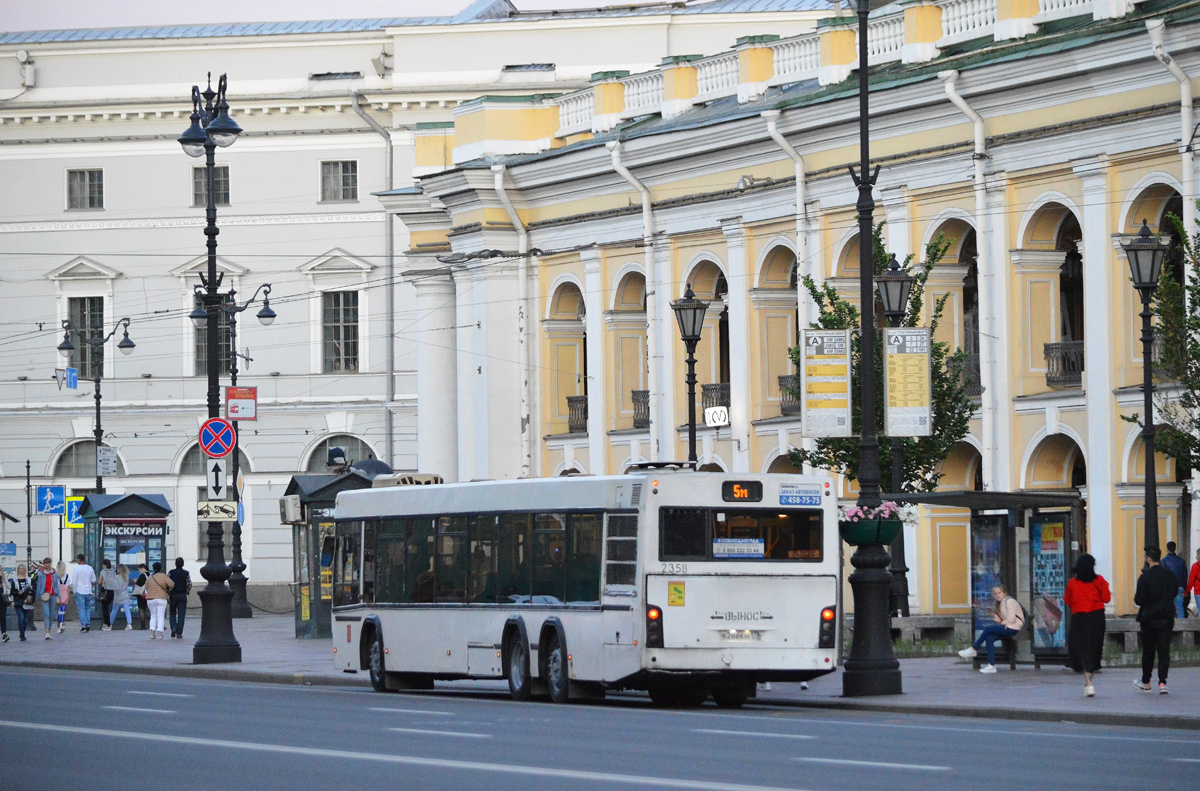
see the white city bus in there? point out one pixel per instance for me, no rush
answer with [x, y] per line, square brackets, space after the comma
[681, 583]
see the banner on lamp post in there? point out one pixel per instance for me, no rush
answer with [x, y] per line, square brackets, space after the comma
[825, 383]
[907, 382]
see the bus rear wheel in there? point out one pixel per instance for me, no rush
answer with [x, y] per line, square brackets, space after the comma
[517, 668]
[557, 677]
[375, 665]
[677, 697]
[732, 695]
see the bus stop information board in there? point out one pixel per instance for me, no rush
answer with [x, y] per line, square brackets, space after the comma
[908, 388]
[825, 383]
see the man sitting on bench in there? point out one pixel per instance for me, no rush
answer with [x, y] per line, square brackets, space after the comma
[1009, 620]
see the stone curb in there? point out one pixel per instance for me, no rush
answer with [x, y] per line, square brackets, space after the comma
[1171, 721]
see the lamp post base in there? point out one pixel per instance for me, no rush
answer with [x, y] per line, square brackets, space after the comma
[216, 645]
[240, 607]
[872, 668]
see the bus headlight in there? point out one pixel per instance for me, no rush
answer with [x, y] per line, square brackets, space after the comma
[828, 634]
[654, 627]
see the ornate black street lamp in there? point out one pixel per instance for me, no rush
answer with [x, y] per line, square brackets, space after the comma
[1146, 256]
[210, 127]
[689, 312]
[66, 349]
[871, 668]
[894, 287]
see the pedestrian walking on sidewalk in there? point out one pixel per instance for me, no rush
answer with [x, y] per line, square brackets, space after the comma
[179, 596]
[121, 597]
[1008, 620]
[1155, 598]
[64, 593]
[139, 595]
[83, 580]
[1193, 584]
[45, 584]
[106, 589]
[1175, 564]
[5, 601]
[104, 593]
[1087, 593]
[158, 591]
[20, 590]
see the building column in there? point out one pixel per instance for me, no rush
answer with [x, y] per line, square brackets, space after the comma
[896, 210]
[995, 332]
[739, 280]
[597, 364]
[666, 338]
[437, 375]
[1098, 374]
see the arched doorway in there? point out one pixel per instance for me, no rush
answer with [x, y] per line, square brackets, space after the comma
[1055, 305]
[627, 323]
[566, 336]
[708, 283]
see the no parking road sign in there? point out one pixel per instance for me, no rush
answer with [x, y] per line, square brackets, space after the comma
[216, 437]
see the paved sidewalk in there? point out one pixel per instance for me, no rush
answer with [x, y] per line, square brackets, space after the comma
[942, 686]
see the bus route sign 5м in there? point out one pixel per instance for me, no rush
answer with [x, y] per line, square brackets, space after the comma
[907, 383]
[825, 383]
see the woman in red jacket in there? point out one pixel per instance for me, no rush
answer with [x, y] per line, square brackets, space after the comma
[1087, 593]
[1193, 583]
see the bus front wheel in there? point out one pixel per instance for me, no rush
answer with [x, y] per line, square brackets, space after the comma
[517, 670]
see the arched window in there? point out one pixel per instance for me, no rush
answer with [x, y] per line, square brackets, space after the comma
[79, 461]
[193, 462]
[356, 450]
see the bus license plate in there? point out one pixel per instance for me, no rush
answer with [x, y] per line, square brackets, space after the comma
[740, 635]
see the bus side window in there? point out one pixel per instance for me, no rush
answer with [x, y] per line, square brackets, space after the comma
[550, 557]
[453, 561]
[418, 561]
[514, 569]
[620, 561]
[389, 554]
[583, 558]
[481, 536]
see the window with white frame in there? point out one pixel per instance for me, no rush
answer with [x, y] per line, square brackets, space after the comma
[339, 331]
[339, 181]
[87, 317]
[224, 340]
[79, 461]
[85, 189]
[220, 185]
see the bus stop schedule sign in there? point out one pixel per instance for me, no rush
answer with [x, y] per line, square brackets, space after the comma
[825, 383]
[241, 403]
[908, 403]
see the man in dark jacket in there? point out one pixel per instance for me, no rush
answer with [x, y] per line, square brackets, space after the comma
[179, 596]
[1155, 598]
[1174, 564]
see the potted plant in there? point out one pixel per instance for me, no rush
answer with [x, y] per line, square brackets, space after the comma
[860, 526]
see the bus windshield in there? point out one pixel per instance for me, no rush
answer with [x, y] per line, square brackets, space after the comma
[740, 534]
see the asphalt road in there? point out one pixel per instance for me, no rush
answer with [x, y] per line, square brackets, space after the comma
[61, 729]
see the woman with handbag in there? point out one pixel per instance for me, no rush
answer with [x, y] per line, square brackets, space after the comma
[158, 591]
[64, 594]
[107, 585]
[4, 602]
[1087, 593]
[20, 590]
[46, 585]
[120, 591]
[139, 595]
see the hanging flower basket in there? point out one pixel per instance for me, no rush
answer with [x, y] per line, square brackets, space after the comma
[870, 531]
[860, 526]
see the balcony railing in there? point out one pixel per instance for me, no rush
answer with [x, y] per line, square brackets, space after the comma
[789, 394]
[716, 394]
[643, 94]
[716, 76]
[963, 20]
[575, 112]
[1064, 364]
[577, 414]
[641, 408]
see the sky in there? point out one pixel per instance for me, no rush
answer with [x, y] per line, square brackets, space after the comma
[18, 15]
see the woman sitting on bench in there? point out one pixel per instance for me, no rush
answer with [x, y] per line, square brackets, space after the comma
[1009, 620]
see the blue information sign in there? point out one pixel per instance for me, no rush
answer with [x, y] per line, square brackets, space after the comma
[73, 378]
[51, 500]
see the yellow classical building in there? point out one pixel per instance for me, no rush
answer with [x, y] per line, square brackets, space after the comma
[551, 232]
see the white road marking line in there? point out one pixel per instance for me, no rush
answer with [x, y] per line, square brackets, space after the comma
[1187, 760]
[754, 733]
[132, 708]
[158, 694]
[875, 764]
[405, 760]
[415, 711]
[990, 732]
[423, 732]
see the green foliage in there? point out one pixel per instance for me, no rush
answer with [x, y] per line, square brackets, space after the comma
[1176, 306]
[952, 409]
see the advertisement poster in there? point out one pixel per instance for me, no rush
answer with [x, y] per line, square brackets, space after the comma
[907, 382]
[986, 546]
[1048, 554]
[825, 383]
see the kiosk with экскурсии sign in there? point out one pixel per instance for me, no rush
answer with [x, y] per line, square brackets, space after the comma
[125, 529]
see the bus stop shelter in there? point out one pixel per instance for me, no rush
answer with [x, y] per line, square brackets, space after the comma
[1027, 542]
